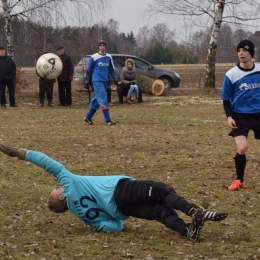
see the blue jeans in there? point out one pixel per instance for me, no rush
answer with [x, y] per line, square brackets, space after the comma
[130, 91]
[10, 87]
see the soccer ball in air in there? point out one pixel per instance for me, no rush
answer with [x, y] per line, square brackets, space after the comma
[49, 66]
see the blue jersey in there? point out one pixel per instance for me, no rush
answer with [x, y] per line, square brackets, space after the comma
[90, 198]
[100, 66]
[242, 88]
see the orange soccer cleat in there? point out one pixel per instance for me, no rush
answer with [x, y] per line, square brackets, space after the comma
[235, 185]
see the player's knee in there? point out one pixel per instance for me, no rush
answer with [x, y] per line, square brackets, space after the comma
[242, 149]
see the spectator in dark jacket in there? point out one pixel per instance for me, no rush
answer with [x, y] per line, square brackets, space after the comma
[7, 74]
[65, 78]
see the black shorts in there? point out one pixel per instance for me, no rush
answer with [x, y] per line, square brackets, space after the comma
[245, 123]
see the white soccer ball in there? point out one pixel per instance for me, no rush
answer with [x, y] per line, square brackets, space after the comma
[49, 66]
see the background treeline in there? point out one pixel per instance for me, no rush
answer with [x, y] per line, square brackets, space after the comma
[157, 45]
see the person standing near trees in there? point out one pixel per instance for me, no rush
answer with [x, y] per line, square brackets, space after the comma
[7, 75]
[241, 101]
[99, 67]
[46, 86]
[65, 78]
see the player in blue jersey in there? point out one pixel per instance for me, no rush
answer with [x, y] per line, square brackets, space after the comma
[104, 202]
[241, 101]
[99, 67]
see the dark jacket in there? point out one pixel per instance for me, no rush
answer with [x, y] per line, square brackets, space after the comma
[7, 68]
[68, 68]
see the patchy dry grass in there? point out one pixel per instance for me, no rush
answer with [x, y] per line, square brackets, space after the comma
[180, 139]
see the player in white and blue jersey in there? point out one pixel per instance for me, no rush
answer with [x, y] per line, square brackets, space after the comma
[99, 67]
[241, 101]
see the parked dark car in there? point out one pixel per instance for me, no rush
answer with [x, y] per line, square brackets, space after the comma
[171, 78]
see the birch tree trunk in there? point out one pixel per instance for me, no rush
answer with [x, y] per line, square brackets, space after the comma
[212, 49]
[8, 29]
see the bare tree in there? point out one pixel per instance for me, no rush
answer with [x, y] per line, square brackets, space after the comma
[53, 8]
[143, 39]
[161, 33]
[238, 12]
[199, 41]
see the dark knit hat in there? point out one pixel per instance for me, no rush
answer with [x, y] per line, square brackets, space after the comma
[247, 45]
[102, 42]
[2, 48]
[60, 47]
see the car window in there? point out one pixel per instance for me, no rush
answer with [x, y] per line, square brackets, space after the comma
[139, 64]
[119, 61]
[83, 61]
[82, 64]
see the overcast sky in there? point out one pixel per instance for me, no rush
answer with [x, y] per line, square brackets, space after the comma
[130, 15]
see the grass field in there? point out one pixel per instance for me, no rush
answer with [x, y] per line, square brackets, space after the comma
[181, 139]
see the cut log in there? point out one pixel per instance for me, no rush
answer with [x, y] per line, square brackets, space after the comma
[150, 86]
[158, 87]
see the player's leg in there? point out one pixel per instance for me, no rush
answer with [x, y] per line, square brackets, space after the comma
[101, 94]
[132, 191]
[240, 162]
[166, 216]
[243, 122]
[151, 192]
[93, 107]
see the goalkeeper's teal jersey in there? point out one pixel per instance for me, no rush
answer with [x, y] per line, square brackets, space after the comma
[90, 198]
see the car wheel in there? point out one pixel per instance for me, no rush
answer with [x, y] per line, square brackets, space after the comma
[167, 81]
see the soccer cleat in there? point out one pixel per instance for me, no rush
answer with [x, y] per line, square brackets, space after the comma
[235, 185]
[213, 215]
[89, 121]
[110, 123]
[196, 225]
